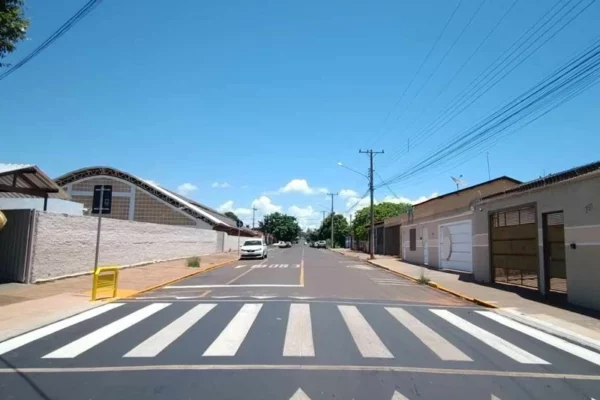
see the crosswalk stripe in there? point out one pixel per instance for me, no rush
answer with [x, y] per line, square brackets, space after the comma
[559, 343]
[364, 336]
[163, 338]
[231, 338]
[85, 343]
[497, 343]
[298, 336]
[440, 346]
[16, 342]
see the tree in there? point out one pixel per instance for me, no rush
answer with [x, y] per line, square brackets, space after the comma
[232, 215]
[340, 229]
[13, 26]
[281, 226]
[381, 211]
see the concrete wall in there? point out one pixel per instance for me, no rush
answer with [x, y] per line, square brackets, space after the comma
[65, 245]
[579, 199]
[432, 224]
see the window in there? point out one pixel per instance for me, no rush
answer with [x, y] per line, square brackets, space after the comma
[413, 239]
[252, 243]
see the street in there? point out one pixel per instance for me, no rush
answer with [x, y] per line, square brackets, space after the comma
[302, 324]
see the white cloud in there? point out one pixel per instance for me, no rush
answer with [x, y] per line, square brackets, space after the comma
[244, 186]
[220, 185]
[300, 186]
[347, 193]
[307, 217]
[186, 188]
[401, 199]
[265, 205]
[228, 206]
[150, 181]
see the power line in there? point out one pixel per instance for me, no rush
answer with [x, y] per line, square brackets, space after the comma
[441, 34]
[464, 64]
[386, 185]
[580, 73]
[64, 28]
[482, 82]
[444, 57]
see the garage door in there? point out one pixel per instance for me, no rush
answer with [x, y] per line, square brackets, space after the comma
[456, 246]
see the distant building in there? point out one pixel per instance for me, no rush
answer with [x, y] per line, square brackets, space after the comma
[136, 199]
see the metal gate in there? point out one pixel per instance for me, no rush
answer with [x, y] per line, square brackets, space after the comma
[392, 240]
[555, 266]
[16, 240]
[514, 247]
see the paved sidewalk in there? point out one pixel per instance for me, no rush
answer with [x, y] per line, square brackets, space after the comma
[26, 307]
[510, 303]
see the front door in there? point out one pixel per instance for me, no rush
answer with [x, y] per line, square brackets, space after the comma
[555, 268]
[425, 247]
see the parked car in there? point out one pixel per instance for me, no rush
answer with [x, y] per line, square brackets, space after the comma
[321, 244]
[279, 244]
[254, 248]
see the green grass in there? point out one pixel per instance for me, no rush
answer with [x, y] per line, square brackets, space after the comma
[193, 262]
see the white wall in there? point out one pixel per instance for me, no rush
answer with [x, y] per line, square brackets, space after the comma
[29, 203]
[65, 245]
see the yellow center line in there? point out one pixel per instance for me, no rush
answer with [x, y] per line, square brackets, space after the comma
[206, 293]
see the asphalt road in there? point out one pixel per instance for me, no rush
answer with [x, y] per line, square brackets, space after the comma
[303, 324]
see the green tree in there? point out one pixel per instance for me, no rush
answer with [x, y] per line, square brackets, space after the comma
[340, 229]
[231, 215]
[281, 226]
[13, 26]
[381, 211]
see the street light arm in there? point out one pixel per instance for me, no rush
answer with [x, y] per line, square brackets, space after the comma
[352, 169]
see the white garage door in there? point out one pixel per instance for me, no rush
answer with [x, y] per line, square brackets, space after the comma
[456, 246]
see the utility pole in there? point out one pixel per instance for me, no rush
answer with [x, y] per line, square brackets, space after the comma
[324, 212]
[253, 214]
[332, 194]
[371, 154]
[487, 154]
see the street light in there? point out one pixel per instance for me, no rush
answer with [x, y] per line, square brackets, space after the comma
[351, 169]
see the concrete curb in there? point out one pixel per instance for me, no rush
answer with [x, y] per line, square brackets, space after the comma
[438, 287]
[549, 328]
[148, 289]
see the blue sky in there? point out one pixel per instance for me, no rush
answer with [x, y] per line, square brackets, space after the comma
[264, 98]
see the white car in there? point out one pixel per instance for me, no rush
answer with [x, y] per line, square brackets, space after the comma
[279, 244]
[254, 248]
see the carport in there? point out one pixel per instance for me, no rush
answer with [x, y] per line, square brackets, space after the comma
[21, 181]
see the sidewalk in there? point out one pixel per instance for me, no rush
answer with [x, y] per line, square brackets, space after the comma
[26, 307]
[563, 322]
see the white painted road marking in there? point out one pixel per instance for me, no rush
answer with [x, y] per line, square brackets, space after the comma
[559, 343]
[298, 336]
[440, 346]
[163, 338]
[29, 337]
[497, 343]
[398, 396]
[230, 340]
[85, 343]
[299, 395]
[364, 336]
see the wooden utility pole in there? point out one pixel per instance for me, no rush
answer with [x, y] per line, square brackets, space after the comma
[371, 154]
